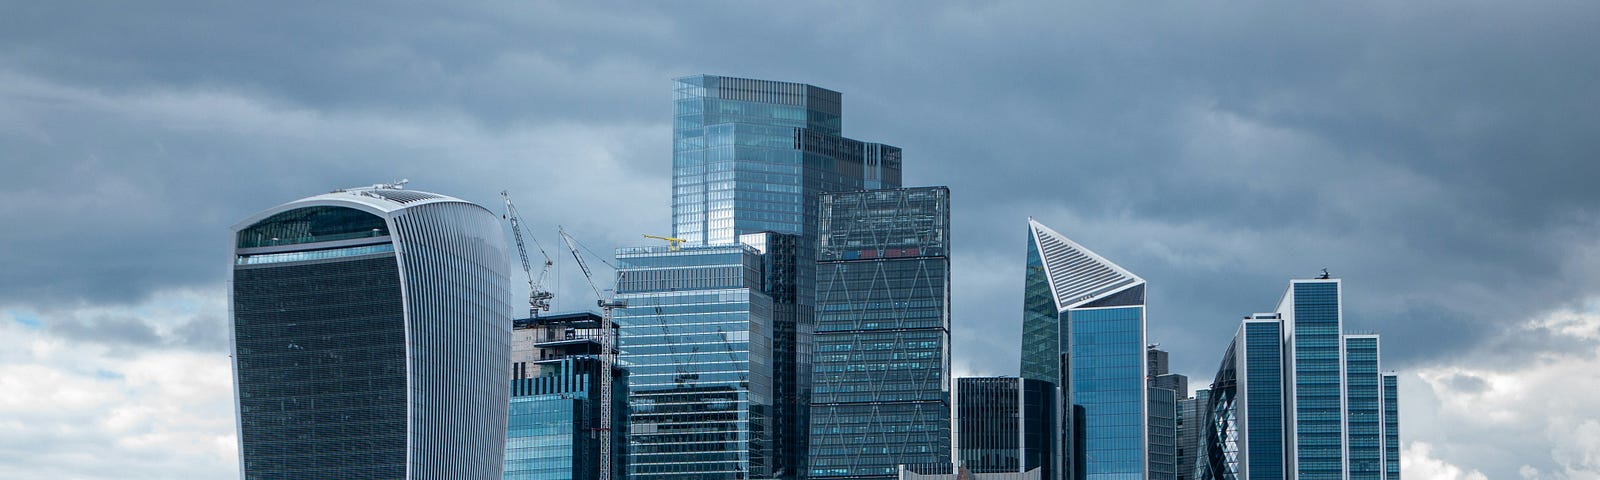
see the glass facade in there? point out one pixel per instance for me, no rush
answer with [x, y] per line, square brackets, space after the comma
[881, 368]
[1191, 414]
[1311, 308]
[1262, 395]
[792, 346]
[1107, 362]
[1004, 424]
[1084, 330]
[542, 436]
[556, 401]
[1271, 415]
[751, 156]
[1042, 358]
[1167, 391]
[1363, 407]
[1245, 439]
[1391, 427]
[1163, 434]
[370, 338]
[697, 339]
[1221, 449]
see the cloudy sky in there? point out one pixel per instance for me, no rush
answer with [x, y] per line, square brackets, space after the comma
[1438, 155]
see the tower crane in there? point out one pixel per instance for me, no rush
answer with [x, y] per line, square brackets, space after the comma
[607, 357]
[672, 242]
[538, 297]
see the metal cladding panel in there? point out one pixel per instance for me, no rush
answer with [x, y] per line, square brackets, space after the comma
[459, 312]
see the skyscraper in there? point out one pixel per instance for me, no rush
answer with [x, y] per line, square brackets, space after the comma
[553, 430]
[371, 336]
[1243, 433]
[1083, 329]
[1005, 425]
[697, 338]
[1391, 427]
[881, 367]
[1271, 414]
[1364, 407]
[1163, 433]
[1166, 390]
[1313, 321]
[1191, 415]
[752, 156]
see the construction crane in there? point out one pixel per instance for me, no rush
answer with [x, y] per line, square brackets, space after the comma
[672, 242]
[607, 357]
[538, 297]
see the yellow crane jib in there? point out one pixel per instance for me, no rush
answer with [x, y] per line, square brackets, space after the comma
[672, 242]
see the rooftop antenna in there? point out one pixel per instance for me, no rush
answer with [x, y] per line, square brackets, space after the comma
[395, 185]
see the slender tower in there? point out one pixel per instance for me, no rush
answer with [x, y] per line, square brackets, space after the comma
[371, 331]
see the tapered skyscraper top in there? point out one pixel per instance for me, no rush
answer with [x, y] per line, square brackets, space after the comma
[1077, 276]
[1083, 329]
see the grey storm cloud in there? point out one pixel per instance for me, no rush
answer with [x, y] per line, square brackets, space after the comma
[1437, 155]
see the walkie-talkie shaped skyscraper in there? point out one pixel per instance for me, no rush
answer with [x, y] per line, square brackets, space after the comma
[371, 334]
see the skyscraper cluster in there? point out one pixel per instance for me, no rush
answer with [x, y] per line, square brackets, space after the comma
[796, 325]
[1298, 397]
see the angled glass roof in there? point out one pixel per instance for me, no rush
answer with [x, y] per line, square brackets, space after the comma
[1077, 275]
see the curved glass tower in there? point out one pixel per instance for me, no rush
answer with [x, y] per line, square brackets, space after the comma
[371, 334]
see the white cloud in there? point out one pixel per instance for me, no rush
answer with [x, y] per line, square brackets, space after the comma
[1417, 463]
[1543, 409]
[76, 408]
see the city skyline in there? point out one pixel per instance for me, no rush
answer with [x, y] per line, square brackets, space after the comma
[1217, 162]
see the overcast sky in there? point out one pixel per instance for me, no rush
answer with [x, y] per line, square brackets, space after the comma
[1440, 156]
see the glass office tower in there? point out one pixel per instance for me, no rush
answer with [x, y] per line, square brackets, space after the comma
[1391, 427]
[1314, 322]
[881, 369]
[1191, 417]
[752, 156]
[1163, 436]
[1244, 430]
[1167, 390]
[556, 404]
[1084, 330]
[1364, 407]
[697, 339]
[1296, 398]
[1004, 424]
[371, 336]
[791, 346]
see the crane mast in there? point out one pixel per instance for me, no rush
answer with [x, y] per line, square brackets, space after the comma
[538, 297]
[607, 358]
